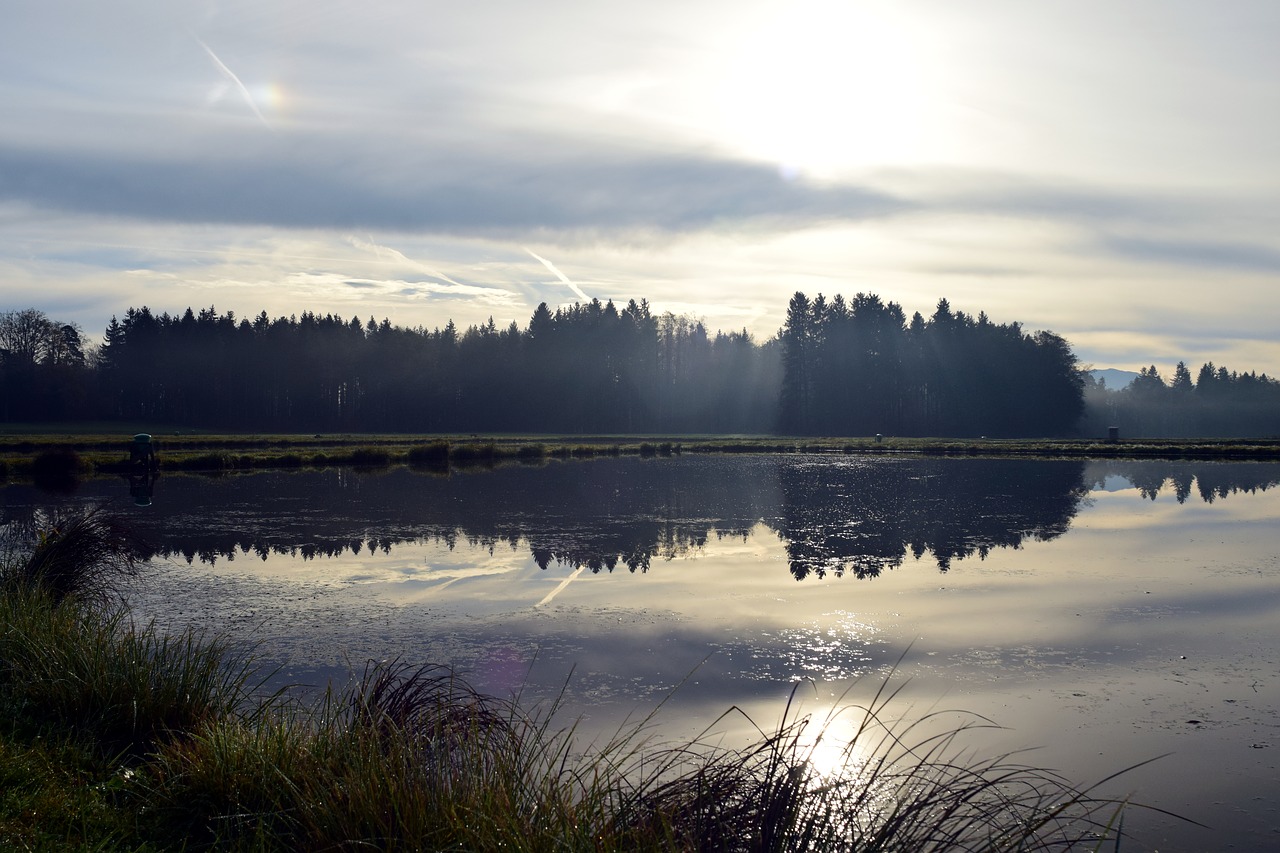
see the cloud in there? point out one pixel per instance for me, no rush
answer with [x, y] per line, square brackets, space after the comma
[323, 282]
[550, 185]
[270, 183]
[488, 295]
[1206, 255]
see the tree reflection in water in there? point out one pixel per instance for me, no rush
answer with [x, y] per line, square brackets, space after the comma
[836, 515]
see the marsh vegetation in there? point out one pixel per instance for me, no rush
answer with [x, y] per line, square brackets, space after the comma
[59, 459]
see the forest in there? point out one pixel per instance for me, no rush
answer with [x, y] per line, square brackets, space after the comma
[837, 367]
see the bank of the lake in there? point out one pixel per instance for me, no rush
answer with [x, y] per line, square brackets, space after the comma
[63, 453]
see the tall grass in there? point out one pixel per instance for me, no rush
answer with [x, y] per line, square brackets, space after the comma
[411, 758]
[81, 557]
[70, 653]
[92, 670]
[431, 454]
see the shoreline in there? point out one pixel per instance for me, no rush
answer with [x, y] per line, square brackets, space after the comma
[36, 455]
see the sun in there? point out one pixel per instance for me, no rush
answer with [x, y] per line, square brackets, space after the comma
[822, 87]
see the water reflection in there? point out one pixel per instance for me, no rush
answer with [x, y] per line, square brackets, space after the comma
[142, 486]
[834, 515]
[864, 519]
[1209, 480]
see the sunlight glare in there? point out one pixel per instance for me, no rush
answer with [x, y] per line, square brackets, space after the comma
[831, 749]
[822, 87]
[268, 96]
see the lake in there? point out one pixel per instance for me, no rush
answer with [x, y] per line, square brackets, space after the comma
[1103, 613]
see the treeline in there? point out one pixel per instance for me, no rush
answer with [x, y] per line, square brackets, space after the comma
[858, 367]
[837, 367]
[581, 369]
[1217, 403]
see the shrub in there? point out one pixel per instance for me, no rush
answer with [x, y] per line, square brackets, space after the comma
[369, 457]
[435, 453]
[531, 452]
[473, 454]
[57, 470]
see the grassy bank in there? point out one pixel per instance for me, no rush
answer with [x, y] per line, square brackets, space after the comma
[117, 737]
[58, 455]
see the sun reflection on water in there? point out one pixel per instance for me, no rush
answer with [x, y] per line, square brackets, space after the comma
[836, 647]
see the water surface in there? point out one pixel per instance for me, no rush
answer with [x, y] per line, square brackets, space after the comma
[1105, 613]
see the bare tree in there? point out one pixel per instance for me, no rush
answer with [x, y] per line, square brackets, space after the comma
[26, 337]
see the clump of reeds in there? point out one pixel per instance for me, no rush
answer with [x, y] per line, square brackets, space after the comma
[665, 448]
[216, 460]
[412, 758]
[481, 453]
[899, 785]
[407, 758]
[79, 557]
[286, 460]
[59, 469]
[434, 454]
[428, 702]
[91, 670]
[531, 452]
[366, 457]
[69, 652]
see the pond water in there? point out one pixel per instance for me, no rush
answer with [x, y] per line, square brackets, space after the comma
[1104, 613]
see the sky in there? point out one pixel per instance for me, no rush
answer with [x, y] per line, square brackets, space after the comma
[1105, 169]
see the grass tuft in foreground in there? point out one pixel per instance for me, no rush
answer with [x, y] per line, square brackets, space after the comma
[79, 558]
[161, 743]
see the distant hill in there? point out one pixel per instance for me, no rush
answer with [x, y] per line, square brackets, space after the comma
[1115, 379]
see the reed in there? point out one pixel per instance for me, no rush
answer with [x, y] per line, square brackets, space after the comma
[411, 758]
[474, 453]
[431, 454]
[365, 457]
[81, 557]
[90, 670]
[531, 452]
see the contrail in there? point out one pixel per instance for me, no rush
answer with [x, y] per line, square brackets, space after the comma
[398, 257]
[547, 599]
[546, 263]
[244, 91]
